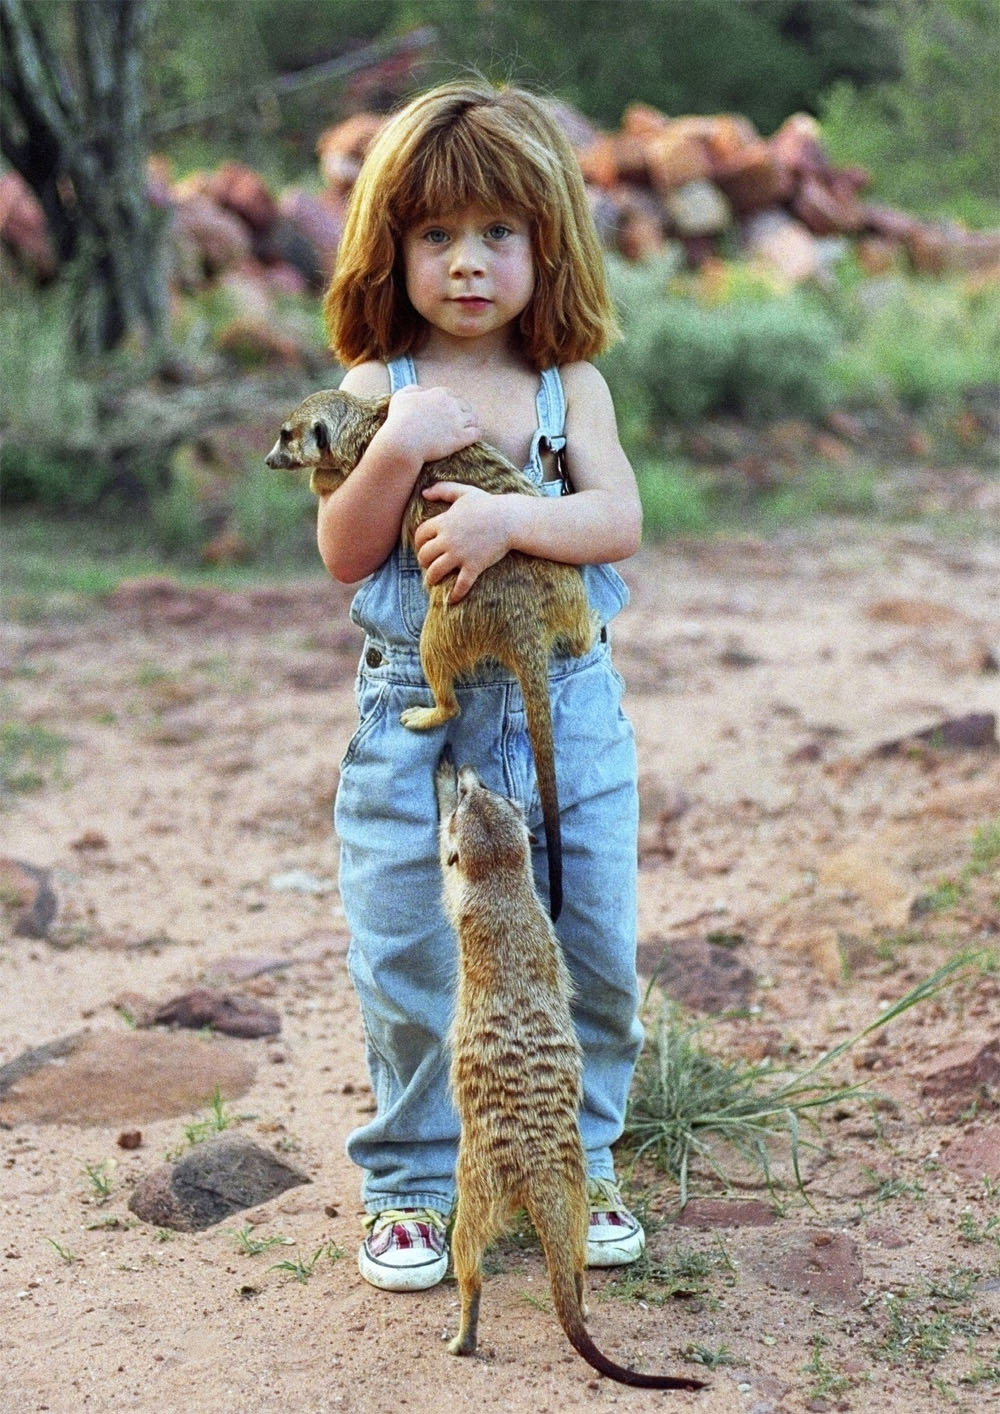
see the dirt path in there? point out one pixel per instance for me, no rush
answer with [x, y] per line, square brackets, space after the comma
[792, 868]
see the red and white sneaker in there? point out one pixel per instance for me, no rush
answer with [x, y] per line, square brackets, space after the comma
[615, 1237]
[405, 1249]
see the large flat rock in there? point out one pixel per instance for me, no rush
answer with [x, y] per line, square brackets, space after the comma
[118, 1077]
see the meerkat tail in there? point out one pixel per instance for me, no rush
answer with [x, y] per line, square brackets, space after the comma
[532, 671]
[566, 1297]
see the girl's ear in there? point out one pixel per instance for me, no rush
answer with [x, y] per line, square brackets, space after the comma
[322, 435]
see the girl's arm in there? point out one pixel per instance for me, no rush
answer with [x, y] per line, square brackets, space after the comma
[359, 523]
[601, 521]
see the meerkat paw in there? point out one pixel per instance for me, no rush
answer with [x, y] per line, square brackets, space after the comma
[462, 1345]
[421, 719]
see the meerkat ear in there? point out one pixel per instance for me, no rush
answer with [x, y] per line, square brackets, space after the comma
[453, 858]
[322, 435]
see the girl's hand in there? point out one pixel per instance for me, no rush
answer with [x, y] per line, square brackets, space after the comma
[429, 423]
[472, 534]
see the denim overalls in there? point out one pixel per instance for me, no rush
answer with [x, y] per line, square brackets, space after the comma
[402, 956]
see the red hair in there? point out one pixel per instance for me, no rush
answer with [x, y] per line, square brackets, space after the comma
[459, 145]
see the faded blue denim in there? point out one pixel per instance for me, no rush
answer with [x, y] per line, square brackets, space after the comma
[402, 956]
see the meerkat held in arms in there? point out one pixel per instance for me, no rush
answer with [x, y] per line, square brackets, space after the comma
[517, 612]
[516, 1064]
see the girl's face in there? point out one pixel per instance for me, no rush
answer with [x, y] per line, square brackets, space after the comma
[469, 273]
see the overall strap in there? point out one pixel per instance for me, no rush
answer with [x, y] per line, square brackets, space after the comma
[550, 403]
[402, 372]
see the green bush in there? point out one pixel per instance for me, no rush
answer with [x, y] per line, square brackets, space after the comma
[41, 395]
[916, 341]
[931, 136]
[755, 353]
[673, 502]
[273, 514]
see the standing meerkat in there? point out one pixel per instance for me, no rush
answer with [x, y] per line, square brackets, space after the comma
[516, 1064]
[517, 612]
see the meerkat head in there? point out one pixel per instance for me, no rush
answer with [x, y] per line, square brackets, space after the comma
[327, 435]
[485, 833]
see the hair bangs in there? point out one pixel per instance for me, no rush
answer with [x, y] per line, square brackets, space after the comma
[470, 162]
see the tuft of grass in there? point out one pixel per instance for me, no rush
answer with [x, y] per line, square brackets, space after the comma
[888, 1189]
[100, 1180]
[985, 854]
[216, 1121]
[983, 862]
[683, 1274]
[29, 755]
[711, 1359]
[251, 1246]
[685, 1101]
[64, 1252]
[825, 1380]
[302, 1268]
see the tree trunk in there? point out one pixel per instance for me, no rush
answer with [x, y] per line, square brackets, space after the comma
[81, 147]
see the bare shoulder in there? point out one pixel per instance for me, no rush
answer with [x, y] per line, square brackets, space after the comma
[367, 380]
[583, 381]
[588, 398]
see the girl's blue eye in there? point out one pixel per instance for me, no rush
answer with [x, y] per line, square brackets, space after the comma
[497, 232]
[436, 236]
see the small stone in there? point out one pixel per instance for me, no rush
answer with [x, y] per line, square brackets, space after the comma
[26, 895]
[89, 840]
[964, 1074]
[130, 1139]
[698, 208]
[219, 1011]
[976, 731]
[217, 1178]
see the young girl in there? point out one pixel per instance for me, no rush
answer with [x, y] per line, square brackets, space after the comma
[470, 285]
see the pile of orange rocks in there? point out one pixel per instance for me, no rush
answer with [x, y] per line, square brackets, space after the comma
[712, 185]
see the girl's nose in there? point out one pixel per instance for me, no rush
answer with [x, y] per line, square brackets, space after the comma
[466, 257]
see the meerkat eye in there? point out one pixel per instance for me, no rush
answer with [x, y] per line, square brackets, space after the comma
[322, 436]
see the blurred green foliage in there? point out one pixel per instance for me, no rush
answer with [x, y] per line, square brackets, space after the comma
[754, 352]
[919, 341]
[41, 394]
[931, 137]
[765, 58]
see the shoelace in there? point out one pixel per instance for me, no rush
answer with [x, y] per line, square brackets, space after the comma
[375, 1223]
[604, 1196]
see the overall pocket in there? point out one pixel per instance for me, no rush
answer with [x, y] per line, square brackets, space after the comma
[370, 697]
[607, 592]
[412, 594]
